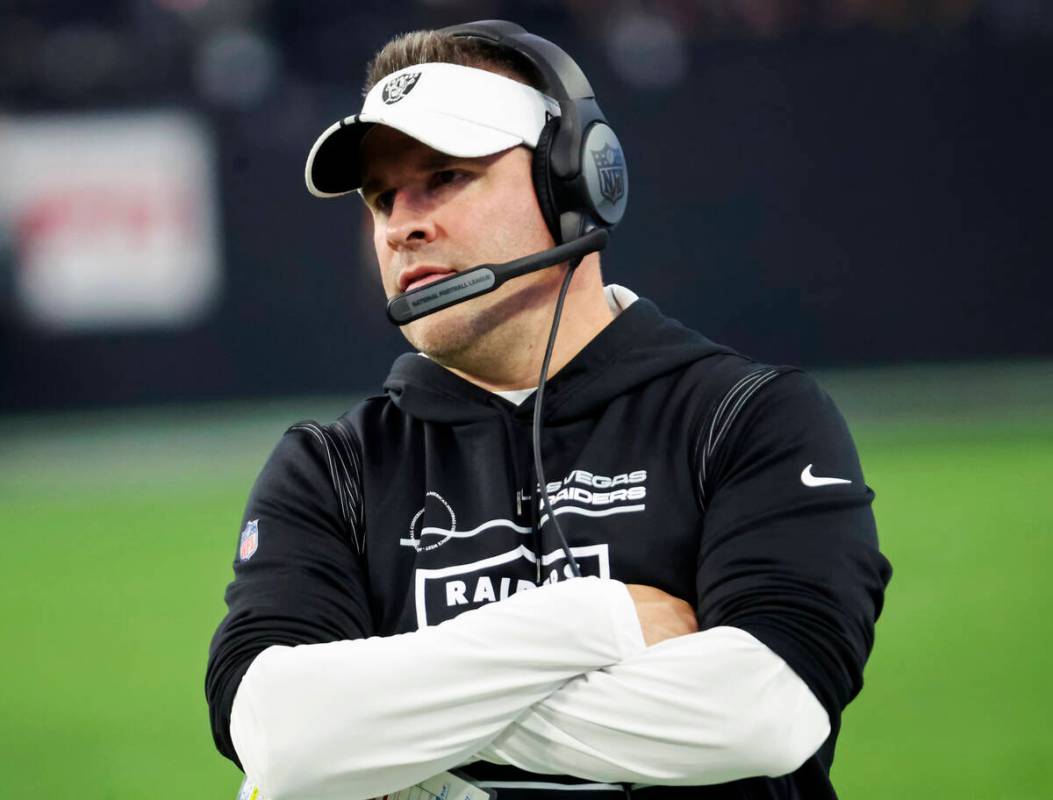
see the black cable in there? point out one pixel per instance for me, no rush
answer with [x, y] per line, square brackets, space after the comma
[538, 396]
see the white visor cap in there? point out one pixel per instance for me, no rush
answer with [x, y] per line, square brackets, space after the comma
[461, 111]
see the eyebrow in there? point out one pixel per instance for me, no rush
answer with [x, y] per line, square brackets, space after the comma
[431, 161]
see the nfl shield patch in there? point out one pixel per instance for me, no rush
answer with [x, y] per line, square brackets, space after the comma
[610, 163]
[250, 540]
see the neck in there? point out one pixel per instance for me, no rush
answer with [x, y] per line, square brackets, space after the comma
[512, 358]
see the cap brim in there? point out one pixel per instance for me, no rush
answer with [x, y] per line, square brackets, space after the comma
[334, 164]
[333, 167]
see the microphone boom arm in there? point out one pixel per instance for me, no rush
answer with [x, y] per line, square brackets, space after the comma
[480, 280]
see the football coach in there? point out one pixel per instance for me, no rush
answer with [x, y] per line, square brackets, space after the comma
[575, 550]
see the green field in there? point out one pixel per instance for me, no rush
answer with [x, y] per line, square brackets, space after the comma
[118, 531]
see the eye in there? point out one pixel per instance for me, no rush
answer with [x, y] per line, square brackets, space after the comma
[444, 177]
[384, 201]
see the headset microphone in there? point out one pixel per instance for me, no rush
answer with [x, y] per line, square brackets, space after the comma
[484, 278]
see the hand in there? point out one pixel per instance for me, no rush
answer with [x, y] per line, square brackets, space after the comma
[661, 615]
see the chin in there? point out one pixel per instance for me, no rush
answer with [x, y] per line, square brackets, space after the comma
[443, 335]
[453, 335]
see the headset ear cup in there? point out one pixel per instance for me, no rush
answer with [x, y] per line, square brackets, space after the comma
[541, 169]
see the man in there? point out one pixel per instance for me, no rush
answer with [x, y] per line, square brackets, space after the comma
[403, 603]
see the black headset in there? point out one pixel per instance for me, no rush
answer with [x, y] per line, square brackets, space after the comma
[579, 168]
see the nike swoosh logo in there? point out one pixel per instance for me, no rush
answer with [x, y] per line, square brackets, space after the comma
[808, 479]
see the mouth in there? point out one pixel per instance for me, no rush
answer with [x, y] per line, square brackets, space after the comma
[417, 277]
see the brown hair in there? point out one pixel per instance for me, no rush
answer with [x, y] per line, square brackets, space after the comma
[424, 47]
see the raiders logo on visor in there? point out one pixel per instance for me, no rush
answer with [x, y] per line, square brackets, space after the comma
[399, 86]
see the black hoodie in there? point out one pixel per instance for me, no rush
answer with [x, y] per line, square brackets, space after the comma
[671, 461]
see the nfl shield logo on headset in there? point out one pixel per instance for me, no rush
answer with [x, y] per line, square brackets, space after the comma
[610, 163]
[250, 539]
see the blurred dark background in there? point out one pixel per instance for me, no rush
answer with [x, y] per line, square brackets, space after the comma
[829, 183]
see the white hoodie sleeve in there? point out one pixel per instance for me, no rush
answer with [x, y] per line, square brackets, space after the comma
[357, 719]
[705, 708]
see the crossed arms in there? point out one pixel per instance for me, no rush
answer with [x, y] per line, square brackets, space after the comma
[557, 680]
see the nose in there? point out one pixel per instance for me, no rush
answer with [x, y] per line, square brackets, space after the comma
[411, 222]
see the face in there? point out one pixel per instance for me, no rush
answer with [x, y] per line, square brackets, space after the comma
[435, 214]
